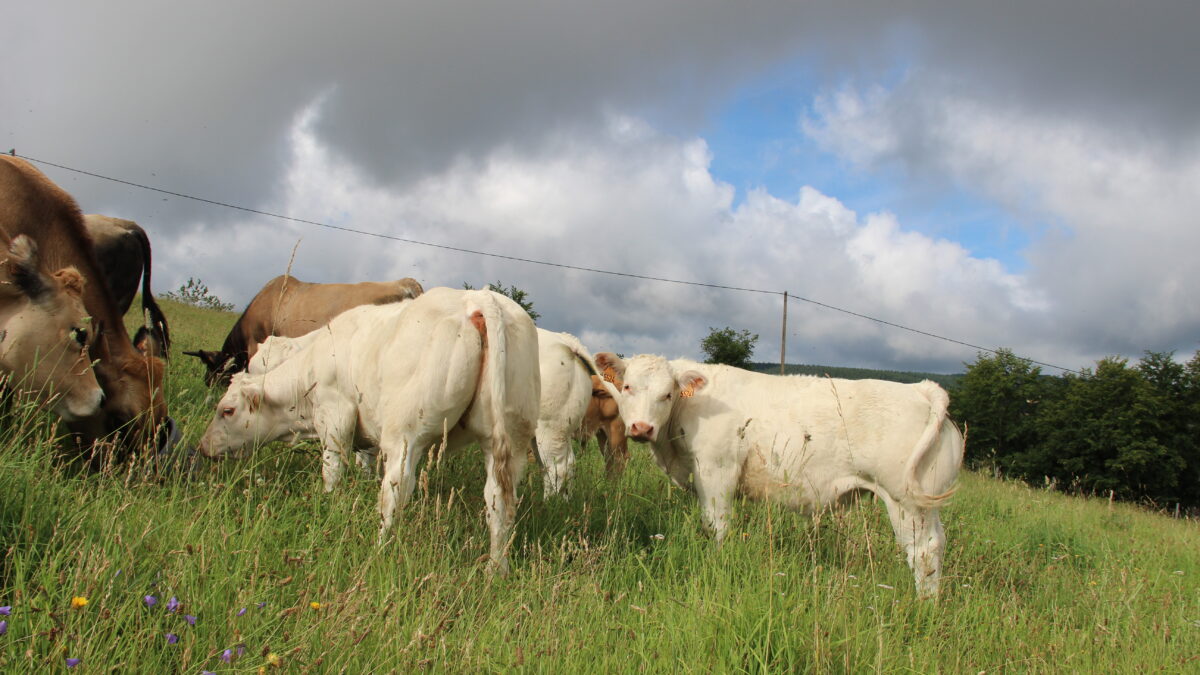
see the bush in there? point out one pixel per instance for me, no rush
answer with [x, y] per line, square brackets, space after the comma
[195, 293]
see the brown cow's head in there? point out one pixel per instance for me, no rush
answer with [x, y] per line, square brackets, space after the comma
[135, 406]
[220, 366]
[43, 333]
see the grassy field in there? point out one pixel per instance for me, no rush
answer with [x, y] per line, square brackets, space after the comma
[618, 579]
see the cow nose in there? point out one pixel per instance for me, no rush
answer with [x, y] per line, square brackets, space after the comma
[641, 431]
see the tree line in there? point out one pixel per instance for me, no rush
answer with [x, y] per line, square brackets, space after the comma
[1129, 430]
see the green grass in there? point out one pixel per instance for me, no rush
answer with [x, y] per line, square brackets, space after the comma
[1034, 581]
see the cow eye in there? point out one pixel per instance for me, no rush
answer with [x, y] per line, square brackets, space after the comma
[227, 412]
[79, 335]
[626, 388]
[667, 396]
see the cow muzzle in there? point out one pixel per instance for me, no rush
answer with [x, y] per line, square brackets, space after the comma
[641, 431]
[168, 436]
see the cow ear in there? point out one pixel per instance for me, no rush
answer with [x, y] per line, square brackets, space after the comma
[253, 396]
[690, 382]
[145, 342]
[209, 359]
[72, 281]
[611, 367]
[22, 255]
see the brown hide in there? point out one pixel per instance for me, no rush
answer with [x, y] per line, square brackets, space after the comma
[288, 307]
[603, 421]
[31, 204]
[123, 251]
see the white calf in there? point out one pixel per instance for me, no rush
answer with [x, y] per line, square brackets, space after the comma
[453, 366]
[802, 440]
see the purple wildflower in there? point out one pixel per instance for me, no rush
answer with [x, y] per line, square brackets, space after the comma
[262, 604]
[71, 663]
[241, 611]
[150, 600]
[207, 672]
[227, 655]
[172, 638]
[190, 619]
[6, 610]
[3, 627]
[241, 649]
[172, 604]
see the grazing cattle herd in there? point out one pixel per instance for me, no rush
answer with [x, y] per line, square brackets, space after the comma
[390, 373]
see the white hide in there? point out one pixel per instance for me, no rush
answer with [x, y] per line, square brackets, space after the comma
[804, 441]
[451, 367]
[566, 391]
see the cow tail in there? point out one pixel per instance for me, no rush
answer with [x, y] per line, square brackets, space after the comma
[581, 353]
[939, 403]
[158, 321]
[494, 374]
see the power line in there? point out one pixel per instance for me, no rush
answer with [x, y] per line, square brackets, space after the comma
[532, 261]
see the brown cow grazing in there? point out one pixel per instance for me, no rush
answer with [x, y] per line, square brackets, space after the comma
[31, 204]
[288, 307]
[43, 334]
[123, 251]
[603, 422]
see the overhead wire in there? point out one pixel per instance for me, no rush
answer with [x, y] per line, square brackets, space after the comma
[532, 261]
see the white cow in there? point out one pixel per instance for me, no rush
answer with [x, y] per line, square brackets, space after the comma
[453, 366]
[566, 372]
[563, 363]
[802, 440]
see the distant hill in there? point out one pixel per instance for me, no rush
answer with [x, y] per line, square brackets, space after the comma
[947, 381]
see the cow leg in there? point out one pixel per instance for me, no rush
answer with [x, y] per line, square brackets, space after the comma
[401, 453]
[500, 502]
[558, 460]
[366, 459]
[335, 427]
[919, 532]
[615, 449]
[714, 488]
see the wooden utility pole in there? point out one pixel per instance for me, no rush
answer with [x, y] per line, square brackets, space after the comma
[783, 339]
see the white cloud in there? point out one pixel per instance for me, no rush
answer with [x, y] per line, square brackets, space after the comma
[1114, 262]
[626, 197]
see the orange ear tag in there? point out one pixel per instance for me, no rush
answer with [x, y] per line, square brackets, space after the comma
[610, 375]
[687, 391]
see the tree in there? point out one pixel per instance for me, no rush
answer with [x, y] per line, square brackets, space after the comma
[517, 295]
[195, 293]
[729, 346]
[1105, 433]
[998, 399]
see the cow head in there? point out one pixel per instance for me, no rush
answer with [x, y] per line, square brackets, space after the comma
[603, 408]
[44, 333]
[134, 405]
[648, 391]
[243, 420]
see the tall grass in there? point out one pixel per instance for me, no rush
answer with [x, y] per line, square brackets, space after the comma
[620, 578]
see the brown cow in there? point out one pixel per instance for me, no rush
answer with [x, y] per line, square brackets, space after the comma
[31, 204]
[603, 421]
[123, 251]
[43, 334]
[288, 307]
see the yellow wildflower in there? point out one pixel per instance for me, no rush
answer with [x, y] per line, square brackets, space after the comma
[273, 659]
[315, 605]
[78, 602]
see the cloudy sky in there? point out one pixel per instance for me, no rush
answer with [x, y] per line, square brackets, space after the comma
[1022, 174]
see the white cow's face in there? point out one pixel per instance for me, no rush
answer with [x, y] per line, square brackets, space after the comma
[648, 392]
[241, 422]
